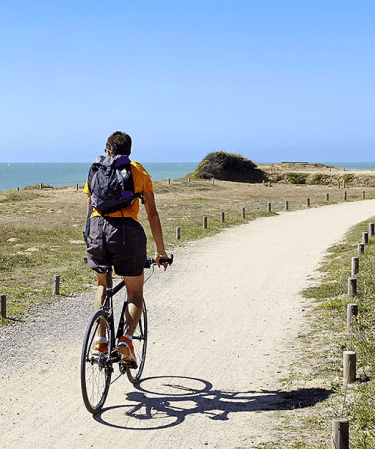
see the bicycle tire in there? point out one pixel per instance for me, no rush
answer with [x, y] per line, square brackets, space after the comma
[95, 371]
[140, 347]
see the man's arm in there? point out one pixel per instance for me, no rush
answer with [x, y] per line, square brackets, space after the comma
[155, 225]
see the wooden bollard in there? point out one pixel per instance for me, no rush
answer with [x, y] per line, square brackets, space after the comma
[365, 238]
[350, 370]
[189, 179]
[327, 197]
[178, 233]
[352, 287]
[243, 212]
[205, 222]
[345, 196]
[351, 311]
[77, 186]
[363, 194]
[355, 266]
[41, 186]
[308, 202]
[222, 217]
[3, 301]
[371, 227]
[286, 205]
[56, 284]
[340, 433]
[361, 249]
[268, 207]
[213, 181]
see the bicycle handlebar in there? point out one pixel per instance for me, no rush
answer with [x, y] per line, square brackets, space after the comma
[150, 261]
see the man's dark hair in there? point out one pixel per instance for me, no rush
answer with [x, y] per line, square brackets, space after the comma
[119, 143]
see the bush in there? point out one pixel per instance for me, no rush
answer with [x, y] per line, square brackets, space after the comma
[228, 167]
[319, 179]
[296, 178]
[348, 178]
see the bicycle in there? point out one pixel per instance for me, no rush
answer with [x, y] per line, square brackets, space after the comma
[96, 370]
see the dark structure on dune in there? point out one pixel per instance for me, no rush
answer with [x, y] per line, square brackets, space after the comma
[229, 167]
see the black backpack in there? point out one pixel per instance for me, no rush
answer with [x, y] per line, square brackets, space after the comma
[111, 184]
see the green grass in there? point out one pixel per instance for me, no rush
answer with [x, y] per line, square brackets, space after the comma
[333, 301]
[30, 258]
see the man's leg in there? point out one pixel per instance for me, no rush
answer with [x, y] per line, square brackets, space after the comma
[99, 298]
[134, 287]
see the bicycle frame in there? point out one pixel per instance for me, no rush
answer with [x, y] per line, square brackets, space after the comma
[107, 306]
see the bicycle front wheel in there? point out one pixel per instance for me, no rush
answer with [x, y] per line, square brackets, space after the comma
[96, 370]
[140, 347]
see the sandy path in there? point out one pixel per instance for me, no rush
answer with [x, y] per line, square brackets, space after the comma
[222, 322]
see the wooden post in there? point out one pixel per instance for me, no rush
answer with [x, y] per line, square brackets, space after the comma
[77, 186]
[327, 197]
[308, 202]
[268, 207]
[350, 371]
[41, 186]
[286, 205]
[213, 181]
[371, 227]
[205, 222]
[18, 189]
[351, 311]
[361, 249]
[178, 233]
[169, 181]
[56, 284]
[352, 287]
[340, 433]
[3, 300]
[189, 179]
[345, 195]
[243, 212]
[363, 194]
[355, 266]
[365, 238]
[222, 217]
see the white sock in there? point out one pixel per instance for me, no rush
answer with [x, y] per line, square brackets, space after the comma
[130, 337]
[102, 340]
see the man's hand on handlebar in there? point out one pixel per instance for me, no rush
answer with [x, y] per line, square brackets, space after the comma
[163, 259]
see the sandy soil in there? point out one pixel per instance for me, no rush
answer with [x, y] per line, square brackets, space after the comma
[223, 328]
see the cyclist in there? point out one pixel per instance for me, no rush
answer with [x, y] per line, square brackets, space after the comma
[124, 247]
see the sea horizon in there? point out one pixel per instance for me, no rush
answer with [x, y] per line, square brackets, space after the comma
[15, 175]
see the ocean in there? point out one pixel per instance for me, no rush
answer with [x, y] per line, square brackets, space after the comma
[57, 174]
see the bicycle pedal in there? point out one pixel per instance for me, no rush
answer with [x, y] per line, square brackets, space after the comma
[129, 364]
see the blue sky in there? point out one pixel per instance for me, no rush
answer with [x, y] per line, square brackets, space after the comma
[270, 80]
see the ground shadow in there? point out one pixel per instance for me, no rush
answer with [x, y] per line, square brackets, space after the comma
[162, 402]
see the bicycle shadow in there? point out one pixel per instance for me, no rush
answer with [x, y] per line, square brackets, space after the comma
[166, 401]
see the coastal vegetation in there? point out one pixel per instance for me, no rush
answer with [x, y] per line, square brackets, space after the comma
[228, 167]
[42, 236]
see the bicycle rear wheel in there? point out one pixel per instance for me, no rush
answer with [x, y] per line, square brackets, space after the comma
[96, 370]
[140, 347]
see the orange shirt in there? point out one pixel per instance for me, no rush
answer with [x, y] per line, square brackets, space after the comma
[142, 184]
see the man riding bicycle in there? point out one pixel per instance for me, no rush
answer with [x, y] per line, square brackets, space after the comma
[118, 239]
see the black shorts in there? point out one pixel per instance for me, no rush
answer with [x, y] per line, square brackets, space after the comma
[123, 245]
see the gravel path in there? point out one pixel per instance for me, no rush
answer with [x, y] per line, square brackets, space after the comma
[223, 322]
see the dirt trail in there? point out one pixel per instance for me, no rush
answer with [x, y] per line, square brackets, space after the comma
[223, 323]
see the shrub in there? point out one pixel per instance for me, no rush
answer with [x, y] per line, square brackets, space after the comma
[319, 179]
[228, 167]
[296, 178]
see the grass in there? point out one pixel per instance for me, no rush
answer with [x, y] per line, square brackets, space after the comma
[333, 303]
[41, 236]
